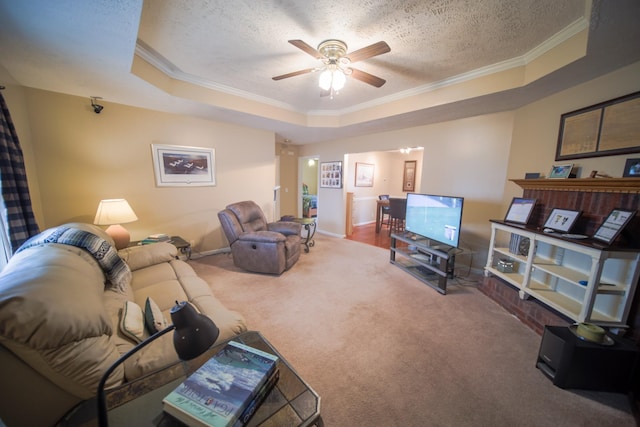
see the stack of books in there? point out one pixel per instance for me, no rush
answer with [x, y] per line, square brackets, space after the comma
[226, 390]
[155, 238]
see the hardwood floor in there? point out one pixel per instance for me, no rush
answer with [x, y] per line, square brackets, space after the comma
[367, 234]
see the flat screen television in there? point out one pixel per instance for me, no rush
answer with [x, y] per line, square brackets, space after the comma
[435, 217]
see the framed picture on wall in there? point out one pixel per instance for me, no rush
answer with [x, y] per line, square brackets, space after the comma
[604, 129]
[331, 175]
[409, 176]
[364, 174]
[179, 166]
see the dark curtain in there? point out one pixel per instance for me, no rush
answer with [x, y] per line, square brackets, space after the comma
[20, 221]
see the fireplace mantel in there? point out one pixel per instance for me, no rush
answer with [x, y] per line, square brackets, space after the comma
[593, 185]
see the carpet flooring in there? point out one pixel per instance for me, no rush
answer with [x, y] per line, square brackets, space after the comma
[383, 349]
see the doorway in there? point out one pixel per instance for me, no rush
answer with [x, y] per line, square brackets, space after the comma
[308, 186]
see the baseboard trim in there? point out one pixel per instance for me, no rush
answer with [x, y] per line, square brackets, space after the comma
[211, 252]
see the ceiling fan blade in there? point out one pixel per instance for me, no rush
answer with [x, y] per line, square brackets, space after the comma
[369, 52]
[306, 48]
[367, 78]
[295, 73]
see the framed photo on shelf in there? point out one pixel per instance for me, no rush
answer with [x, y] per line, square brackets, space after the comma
[613, 225]
[331, 174]
[632, 168]
[561, 171]
[520, 210]
[364, 174]
[180, 166]
[409, 175]
[562, 220]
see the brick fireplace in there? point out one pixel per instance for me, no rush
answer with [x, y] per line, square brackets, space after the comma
[595, 197]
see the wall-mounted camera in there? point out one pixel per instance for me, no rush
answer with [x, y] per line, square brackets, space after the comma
[97, 108]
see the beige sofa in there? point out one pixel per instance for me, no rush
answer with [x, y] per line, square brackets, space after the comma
[65, 318]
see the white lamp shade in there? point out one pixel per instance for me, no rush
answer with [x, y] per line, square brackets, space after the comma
[114, 211]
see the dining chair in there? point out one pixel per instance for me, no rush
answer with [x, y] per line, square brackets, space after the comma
[397, 212]
[385, 210]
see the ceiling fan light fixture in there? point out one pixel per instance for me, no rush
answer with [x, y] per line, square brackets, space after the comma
[338, 80]
[336, 64]
[325, 80]
[332, 79]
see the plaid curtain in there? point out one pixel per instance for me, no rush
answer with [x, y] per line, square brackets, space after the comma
[19, 221]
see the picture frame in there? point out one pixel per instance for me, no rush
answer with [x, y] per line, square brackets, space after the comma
[632, 168]
[331, 174]
[409, 175]
[613, 225]
[562, 220]
[520, 210]
[182, 166]
[605, 129]
[364, 174]
[560, 171]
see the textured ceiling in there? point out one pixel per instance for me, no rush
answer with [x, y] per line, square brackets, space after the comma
[225, 53]
[242, 45]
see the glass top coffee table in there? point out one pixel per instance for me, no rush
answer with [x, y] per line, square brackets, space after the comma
[292, 402]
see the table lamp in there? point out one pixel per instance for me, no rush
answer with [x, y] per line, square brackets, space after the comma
[194, 334]
[113, 212]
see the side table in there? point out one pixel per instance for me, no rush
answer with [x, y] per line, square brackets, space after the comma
[292, 402]
[183, 246]
[309, 225]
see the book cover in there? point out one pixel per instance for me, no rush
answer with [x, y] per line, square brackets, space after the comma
[258, 399]
[220, 390]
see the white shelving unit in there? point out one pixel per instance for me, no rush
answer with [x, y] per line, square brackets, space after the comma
[581, 280]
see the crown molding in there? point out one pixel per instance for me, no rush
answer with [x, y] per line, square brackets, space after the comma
[165, 66]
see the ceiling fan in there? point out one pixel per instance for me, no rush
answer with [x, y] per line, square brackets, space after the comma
[336, 64]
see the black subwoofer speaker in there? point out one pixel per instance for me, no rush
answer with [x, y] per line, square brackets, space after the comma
[571, 362]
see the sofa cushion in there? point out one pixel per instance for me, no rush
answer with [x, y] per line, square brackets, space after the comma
[153, 317]
[47, 282]
[138, 257]
[174, 281]
[116, 270]
[132, 321]
[52, 316]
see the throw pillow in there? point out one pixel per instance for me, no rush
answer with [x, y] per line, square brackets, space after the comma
[132, 321]
[153, 317]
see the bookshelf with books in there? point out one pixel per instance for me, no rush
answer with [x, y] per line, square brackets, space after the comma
[226, 390]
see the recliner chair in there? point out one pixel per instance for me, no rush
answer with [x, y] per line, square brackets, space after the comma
[256, 245]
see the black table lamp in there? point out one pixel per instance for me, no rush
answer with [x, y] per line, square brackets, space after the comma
[194, 334]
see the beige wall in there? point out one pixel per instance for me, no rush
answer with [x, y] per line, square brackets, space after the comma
[387, 179]
[75, 158]
[465, 158]
[475, 157]
[82, 157]
[535, 134]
